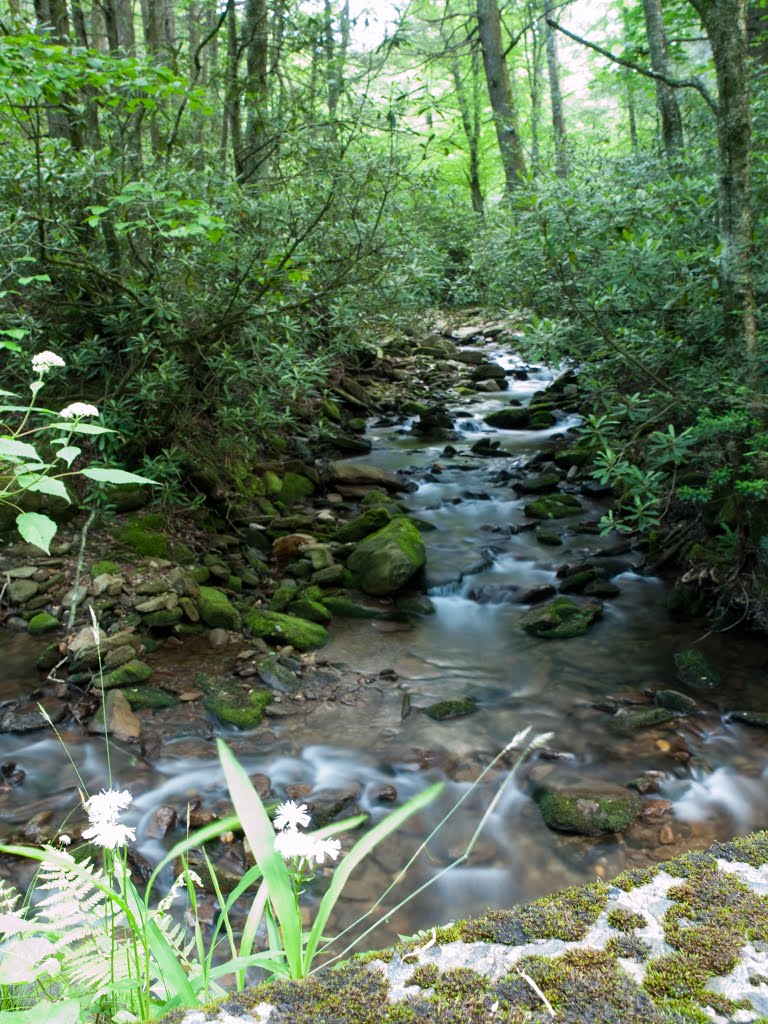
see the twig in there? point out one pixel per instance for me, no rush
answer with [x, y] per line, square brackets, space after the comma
[79, 569]
[537, 990]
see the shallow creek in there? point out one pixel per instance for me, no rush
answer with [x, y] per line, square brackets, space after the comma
[714, 773]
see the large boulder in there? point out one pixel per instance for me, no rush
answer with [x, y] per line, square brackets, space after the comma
[589, 809]
[216, 610]
[561, 619]
[286, 629]
[359, 474]
[387, 559]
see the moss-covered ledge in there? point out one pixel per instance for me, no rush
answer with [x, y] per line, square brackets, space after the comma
[684, 942]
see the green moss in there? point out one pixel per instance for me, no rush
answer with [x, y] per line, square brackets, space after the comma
[629, 946]
[244, 711]
[561, 619]
[216, 610]
[149, 697]
[313, 611]
[587, 812]
[105, 566]
[425, 976]
[163, 618]
[346, 608]
[371, 520]
[296, 488]
[553, 506]
[287, 629]
[388, 558]
[635, 877]
[624, 920]
[693, 669]
[41, 623]
[132, 672]
[568, 915]
[451, 709]
[144, 542]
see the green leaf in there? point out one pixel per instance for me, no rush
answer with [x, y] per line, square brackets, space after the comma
[34, 277]
[17, 333]
[261, 837]
[36, 529]
[80, 428]
[12, 449]
[68, 454]
[114, 476]
[65, 1011]
[44, 485]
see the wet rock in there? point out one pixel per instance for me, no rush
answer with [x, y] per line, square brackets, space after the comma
[216, 610]
[370, 521]
[217, 638]
[601, 588]
[163, 619]
[20, 591]
[568, 457]
[675, 701]
[554, 506]
[346, 608]
[306, 607]
[28, 717]
[469, 357]
[384, 793]
[235, 706]
[42, 623]
[356, 474]
[756, 718]
[39, 829]
[486, 447]
[537, 594]
[386, 560]
[121, 723]
[589, 809]
[444, 709]
[276, 676]
[151, 697]
[510, 418]
[161, 822]
[490, 386]
[548, 535]
[433, 422]
[129, 674]
[329, 577]
[49, 657]
[561, 619]
[11, 775]
[488, 371]
[576, 579]
[540, 484]
[283, 595]
[116, 656]
[494, 593]
[694, 670]
[628, 720]
[415, 604]
[326, 804]
[288, 629]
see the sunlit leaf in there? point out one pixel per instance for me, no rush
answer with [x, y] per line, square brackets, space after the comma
[36, 529]
[114, 476]
[12, 449]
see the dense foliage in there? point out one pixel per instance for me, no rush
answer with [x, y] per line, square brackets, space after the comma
[208, 209]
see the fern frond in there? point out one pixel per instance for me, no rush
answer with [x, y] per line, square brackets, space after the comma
[9, 897]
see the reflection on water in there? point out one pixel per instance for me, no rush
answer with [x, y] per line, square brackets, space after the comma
[714, 773]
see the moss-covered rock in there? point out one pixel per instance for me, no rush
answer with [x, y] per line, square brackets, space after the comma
[144, 535]
[129, 674]
[756, 718]
[244, 710]
[451, 709]
[163, 618]
[296, 488]
[216, 610]
[387, 559]
[273, 485]
[286, 629]
[561, 619]
[42, 623]
[283, 595]
[510, 418]
[104, 568]
[629, 720]
[676, 701]
[553, 506]
[312, 610]
[371, 520]
[151, 697]
[694, 670]
[540, 484]
[588, 810]
[346, 608]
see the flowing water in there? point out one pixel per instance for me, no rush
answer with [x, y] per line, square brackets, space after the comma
[375, 739]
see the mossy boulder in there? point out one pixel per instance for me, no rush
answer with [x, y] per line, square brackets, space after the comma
[242, 709]
[568, 457]
[296, 488]
[676, 701]
[387, 559]
[539, 484]
[694, 670]
[163, 618]
[145, 536]
[510, 418]
[371, 520]
[756, 718]
[129, 674]
[151, 697]
[346, 608]
[451, 709]
[553, 506]
[561, 619]
[283, 595]
[42, 623]
[286, 629]
[312, 610]
[590, 809]
[629, 720]
[216, 610]
[273, 485]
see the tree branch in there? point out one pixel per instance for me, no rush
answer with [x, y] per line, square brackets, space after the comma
[675, 83]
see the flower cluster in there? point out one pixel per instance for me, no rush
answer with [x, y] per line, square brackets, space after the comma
[45, 361]
[103, 810]
[297, 846]
[78, 409]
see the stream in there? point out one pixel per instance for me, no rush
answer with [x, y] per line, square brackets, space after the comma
[374, 744]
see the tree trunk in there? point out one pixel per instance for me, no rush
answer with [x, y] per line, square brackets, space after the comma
[232, 100]
[556, 99]
[725, 22]
[470, 122]
[335, 60]
[255, 146]
[666, 99]
[500, 92]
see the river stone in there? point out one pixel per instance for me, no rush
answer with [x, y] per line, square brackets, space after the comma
[346, 608]
[329, 577]
[387, 559]
[309, 608]
[451, 709]
[553, 506]
[575, 582]
[20, 591]
[286, 629]
[371, 520]
[512, 417]
[242, 709]
[549, 535]
[121, 723]
[628, 720]
[28, 718]
[22, 572]
[694, 670]
[283, 595]
[561, 619]
[151, 697]
[216, 610]
[277, 676]
[488, 371]
[296, 488]
[356, 474]
[539, 484]
[132, 672]
[757, 718]
[85, 653]
[591, 809]
[163, 618]
[41, 623]
[675, 701]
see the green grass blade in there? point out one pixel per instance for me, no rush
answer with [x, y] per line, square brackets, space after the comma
[261, 837]
[359, 851]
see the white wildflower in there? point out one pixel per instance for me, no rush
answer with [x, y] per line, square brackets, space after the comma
[65, 840]
[329, 848]
[44, 361]
[291, 815]
[110, 834]
[77, 410]
[103, 810]
[293, 845]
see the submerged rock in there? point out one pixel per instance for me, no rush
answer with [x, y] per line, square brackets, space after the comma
[553, 506]
[561, 619]
[451, 709]
[287, 629]
[694, 670]
[589, 809]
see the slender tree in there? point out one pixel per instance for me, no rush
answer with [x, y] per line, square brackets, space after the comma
[666, 97]
[556, 97]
